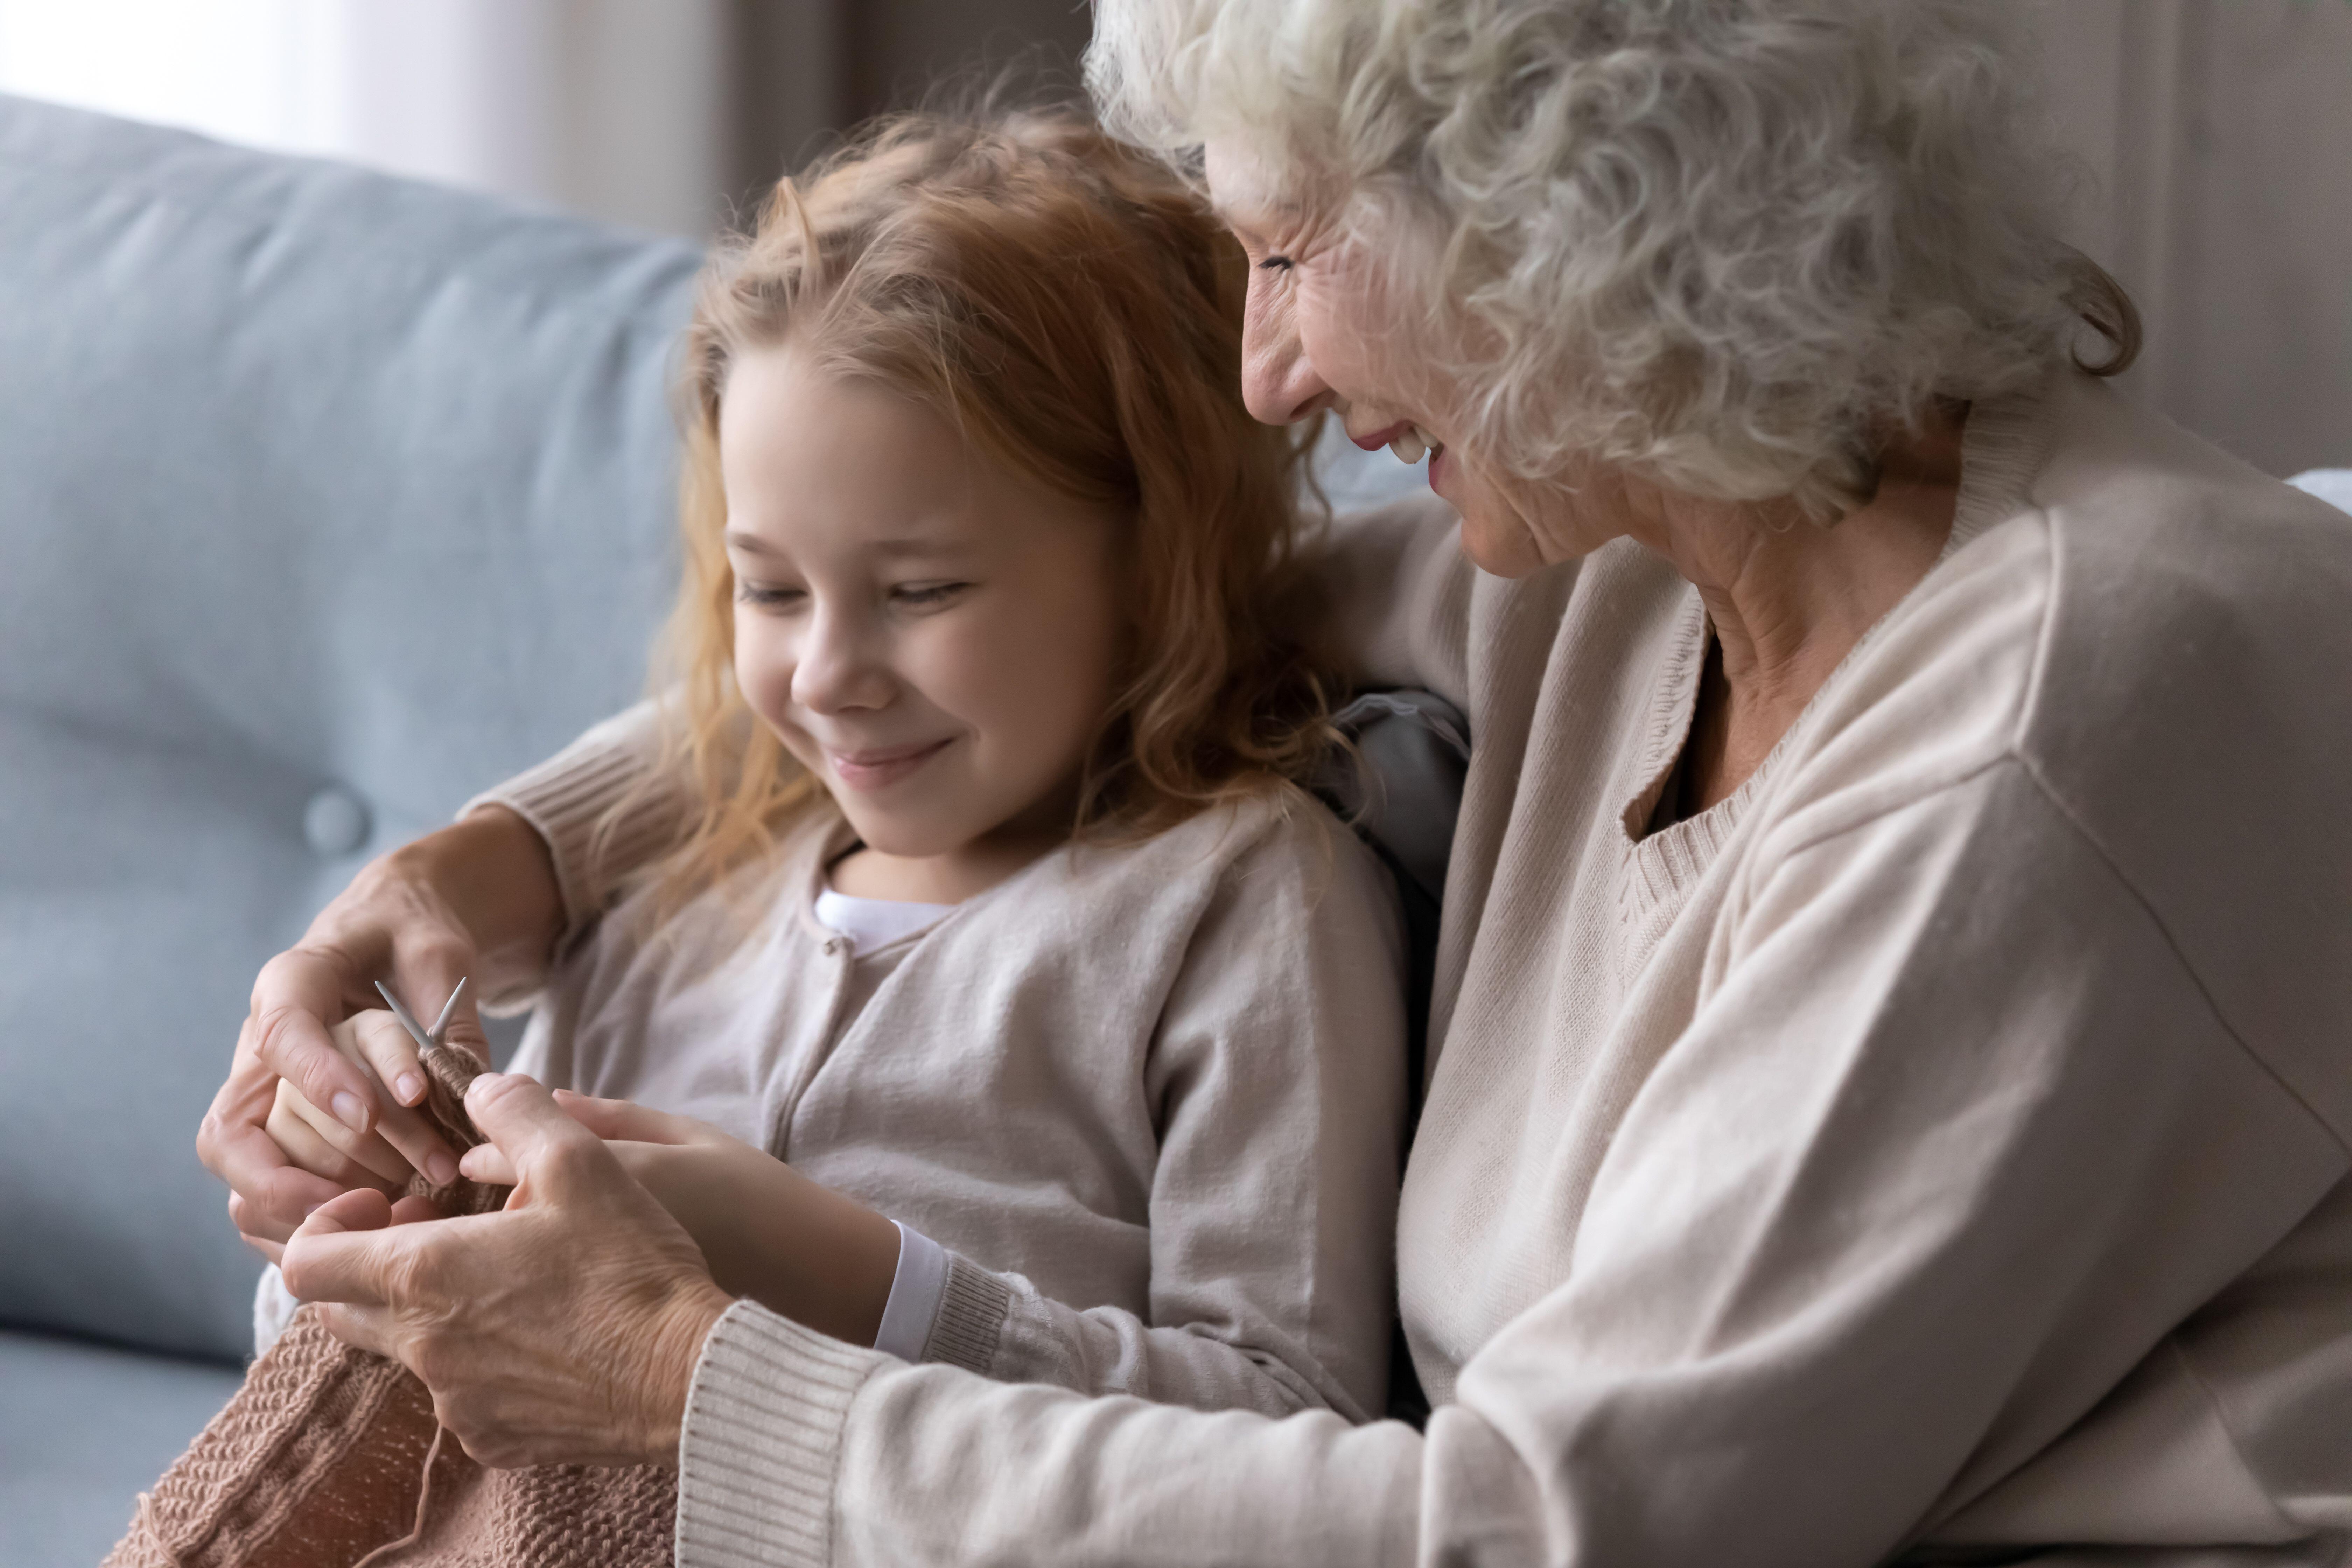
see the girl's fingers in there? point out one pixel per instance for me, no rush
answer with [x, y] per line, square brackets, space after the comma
[324, 1147]
[488, 1165]
[418, 1147]
[376, 1038]
[409, 1210]
[628, 1121]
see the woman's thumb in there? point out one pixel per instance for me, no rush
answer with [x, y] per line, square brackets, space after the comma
[513, 1111]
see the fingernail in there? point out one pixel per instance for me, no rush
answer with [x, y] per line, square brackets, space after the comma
[412, 1089]
[351, 1112]
[441, 1168]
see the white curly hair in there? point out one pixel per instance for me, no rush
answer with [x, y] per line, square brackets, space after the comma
[1732, 244]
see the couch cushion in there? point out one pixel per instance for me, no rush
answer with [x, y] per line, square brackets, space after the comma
[83, 1431]
[2333, 486]
[326, 498]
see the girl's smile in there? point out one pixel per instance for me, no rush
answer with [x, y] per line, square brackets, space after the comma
[878, 769]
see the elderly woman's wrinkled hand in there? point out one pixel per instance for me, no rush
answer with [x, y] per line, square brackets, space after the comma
[765, 1231]
[563, 1328]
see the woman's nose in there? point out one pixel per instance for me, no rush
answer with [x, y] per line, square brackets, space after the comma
[1280, 384]
[837, 668]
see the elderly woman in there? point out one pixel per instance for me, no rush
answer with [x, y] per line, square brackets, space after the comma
[1896, 964]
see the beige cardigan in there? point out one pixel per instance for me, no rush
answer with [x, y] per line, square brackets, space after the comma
[1149, 1096]
[1940, 1146]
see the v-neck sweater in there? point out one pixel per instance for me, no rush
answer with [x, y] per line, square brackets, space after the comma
[1937, 1149]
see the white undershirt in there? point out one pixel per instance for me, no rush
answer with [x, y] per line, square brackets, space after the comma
[921, 1279]
[873, 923]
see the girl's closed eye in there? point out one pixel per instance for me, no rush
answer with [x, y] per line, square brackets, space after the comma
[768, 596]
[928, 595]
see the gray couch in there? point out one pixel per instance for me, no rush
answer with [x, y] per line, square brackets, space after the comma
[326, 500]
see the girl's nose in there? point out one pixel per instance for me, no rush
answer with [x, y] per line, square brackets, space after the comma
[838, 669]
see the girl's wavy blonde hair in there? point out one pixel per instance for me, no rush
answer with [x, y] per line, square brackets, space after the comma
[1072, 309]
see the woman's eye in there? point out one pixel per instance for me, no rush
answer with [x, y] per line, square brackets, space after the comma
[761, 597]
[1275, 264]
[927, 595]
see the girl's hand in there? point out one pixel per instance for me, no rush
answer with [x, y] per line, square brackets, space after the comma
[315, 1142]
[767, 1231]
[376, 1044]
[480, 898]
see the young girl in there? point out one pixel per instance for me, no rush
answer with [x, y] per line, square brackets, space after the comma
[997, 908]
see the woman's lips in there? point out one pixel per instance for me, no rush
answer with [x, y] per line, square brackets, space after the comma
[1439, 466]
[882, 767]
[1409, 441]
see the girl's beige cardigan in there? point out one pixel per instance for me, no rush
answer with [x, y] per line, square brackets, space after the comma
[1149, 1096]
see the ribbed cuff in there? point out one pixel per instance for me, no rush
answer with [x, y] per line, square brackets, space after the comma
[567, 797]
[971, 1318]
[763, 1440]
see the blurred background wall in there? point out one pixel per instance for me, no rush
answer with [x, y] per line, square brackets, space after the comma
[2212, 139]
[2215, 143]
[660, 113]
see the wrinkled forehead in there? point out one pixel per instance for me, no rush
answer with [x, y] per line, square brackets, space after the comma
[1243, 182]
[1252, 186]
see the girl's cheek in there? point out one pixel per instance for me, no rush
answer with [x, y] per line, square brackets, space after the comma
[763, 671]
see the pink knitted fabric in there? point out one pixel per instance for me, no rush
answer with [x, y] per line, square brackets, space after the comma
[332, 1458]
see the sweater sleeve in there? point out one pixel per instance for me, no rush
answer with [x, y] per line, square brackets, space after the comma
[568, 798]
[1276, 1080]
[1952, 1144]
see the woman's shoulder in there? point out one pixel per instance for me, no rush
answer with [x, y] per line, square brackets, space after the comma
[2192, 711]
[2175, 562]
[2127, 599]
[2151, 644]
[2192, 656]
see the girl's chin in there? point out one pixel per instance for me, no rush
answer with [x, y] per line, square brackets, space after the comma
[904, 834]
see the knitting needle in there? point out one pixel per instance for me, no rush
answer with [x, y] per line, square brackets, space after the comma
[441, 1025]
[416, 1031]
